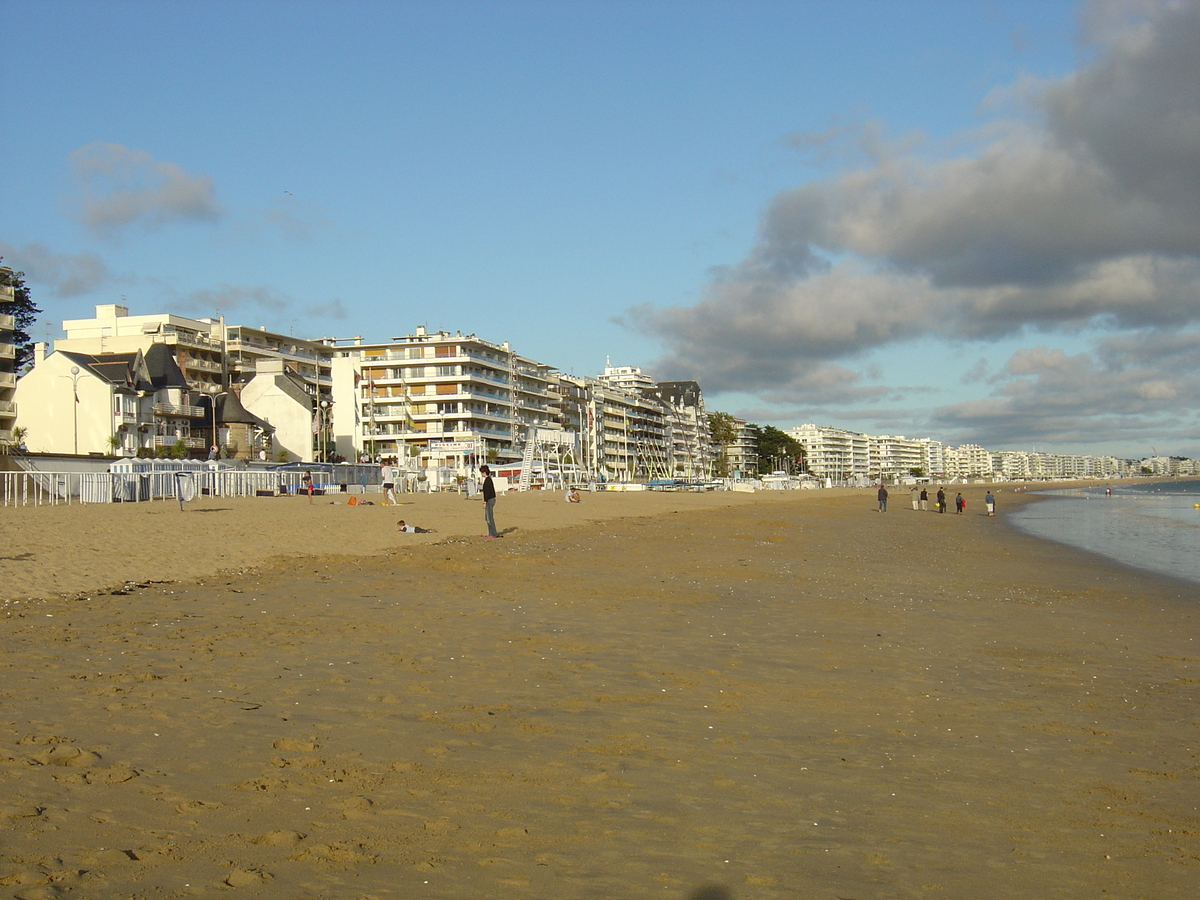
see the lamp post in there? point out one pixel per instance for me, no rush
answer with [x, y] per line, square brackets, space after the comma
[324, 424]
[75, 405]
[212, 405]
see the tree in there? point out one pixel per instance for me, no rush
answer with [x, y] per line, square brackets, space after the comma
[777, 450]
[723, 430]
[24, 314]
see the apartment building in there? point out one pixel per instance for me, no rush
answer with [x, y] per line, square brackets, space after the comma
[307, 362]
[968, 461]
[199, 355]
[687, 428]
[834, 453]
[741, 456]
[895, 457]
[8, 354]
[437, 399]
[212, 355]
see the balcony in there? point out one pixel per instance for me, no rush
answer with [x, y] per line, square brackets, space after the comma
[7, 293]
[168, 440]
[203, 365]
[8, 351]
[8, 321]
[173, 409]
[8, 379]
[190, 340]
[8, 408]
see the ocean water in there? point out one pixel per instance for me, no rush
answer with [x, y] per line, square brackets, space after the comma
[1148, 526]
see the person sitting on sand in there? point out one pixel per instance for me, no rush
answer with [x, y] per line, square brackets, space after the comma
[573, 496]
[412, 529]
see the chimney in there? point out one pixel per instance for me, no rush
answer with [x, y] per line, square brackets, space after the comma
[39, 353]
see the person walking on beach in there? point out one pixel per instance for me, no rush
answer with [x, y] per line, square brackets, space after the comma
[307, 483]
[387, 475]
[883, 495]
[924, 499]
[959, 504]
[916, 498]
[941, 500]
[991, 503]
[489, 501]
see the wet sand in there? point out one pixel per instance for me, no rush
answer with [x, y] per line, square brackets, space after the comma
[776, 695]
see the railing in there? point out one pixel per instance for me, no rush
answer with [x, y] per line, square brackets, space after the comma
[7, 351]
[174, 409]
[8, 321]
[68, 488]
[8, 408]
[191, 340]
[7, 379]
[168, 440]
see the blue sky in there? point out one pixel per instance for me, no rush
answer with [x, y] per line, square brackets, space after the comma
[977, 221]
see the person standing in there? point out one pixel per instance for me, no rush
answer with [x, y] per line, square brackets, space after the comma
[915, 493]
[489, 501]
[991, 503]
[924, 499]
[941, 500]
[387, 475]
[883, 495]
[307, 481]
[959, 504]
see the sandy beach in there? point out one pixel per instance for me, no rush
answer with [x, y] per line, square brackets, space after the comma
[776, 695]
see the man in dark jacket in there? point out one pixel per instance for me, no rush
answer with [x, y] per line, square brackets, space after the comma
[489, 501]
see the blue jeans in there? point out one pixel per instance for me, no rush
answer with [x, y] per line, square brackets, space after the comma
[489, 517]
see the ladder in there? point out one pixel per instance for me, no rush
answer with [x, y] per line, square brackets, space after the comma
[527, 460]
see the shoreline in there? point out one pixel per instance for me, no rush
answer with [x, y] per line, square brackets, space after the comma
[798, 695]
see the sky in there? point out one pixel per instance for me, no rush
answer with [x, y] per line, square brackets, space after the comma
[972, 221]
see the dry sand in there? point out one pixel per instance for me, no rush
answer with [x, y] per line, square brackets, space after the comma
[774, 695]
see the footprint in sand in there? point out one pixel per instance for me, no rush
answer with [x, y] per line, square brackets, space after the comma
[279, 838]
[247, 877]
[295, 745]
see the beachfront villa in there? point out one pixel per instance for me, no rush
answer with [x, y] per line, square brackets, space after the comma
[129, 404]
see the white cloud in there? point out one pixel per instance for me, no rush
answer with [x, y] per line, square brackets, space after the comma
[120, 186]
[64, 274]
[1083, 213]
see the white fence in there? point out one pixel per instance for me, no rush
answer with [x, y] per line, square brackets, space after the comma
[54, 488]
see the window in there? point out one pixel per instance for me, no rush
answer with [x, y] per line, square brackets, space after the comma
[450, 350]
[447, 388]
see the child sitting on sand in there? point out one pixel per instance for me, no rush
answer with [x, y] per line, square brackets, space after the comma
[412, 529]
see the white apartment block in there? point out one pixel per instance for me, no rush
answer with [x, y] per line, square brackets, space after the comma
[742, 455]
[438, 400]
[213, 356]
[834, 453]
[197, 353]
[896, 457]
[687, 428]
[968, 461]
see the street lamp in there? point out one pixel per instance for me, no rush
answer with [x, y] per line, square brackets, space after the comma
[212, 404]
[75, 405]
[324, 424]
